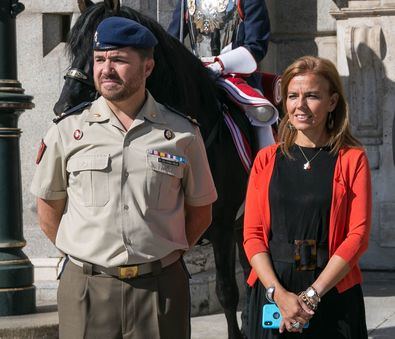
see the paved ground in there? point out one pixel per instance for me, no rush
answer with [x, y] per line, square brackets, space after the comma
[379, 292]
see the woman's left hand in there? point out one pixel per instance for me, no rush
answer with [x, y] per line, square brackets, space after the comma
[293, 311]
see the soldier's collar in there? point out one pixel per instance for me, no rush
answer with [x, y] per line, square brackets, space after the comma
[99, 111]
[151, 111]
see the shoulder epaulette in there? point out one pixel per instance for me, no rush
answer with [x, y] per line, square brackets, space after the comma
[74, 110]
[188, 117]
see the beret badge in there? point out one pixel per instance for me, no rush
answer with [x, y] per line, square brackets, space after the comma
[95, 39]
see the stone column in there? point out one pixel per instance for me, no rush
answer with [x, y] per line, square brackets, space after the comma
[366, 61]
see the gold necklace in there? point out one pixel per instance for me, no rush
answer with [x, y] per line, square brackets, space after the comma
[307, 164]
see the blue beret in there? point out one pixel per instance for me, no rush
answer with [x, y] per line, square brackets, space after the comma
[117, 32]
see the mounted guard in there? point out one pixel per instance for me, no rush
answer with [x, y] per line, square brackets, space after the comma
[231, 37]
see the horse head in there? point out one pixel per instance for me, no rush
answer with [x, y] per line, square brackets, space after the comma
[79, 85]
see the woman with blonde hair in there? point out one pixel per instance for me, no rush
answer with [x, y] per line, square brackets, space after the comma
[308, 213]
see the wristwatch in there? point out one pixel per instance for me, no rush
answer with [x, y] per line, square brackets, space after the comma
[270, 294]
[312, 293]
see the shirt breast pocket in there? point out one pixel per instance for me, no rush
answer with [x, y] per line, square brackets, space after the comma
[89, 179]
[163, 182]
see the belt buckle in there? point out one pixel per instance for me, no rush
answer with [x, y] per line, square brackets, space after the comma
[128, 272]
[305, 255]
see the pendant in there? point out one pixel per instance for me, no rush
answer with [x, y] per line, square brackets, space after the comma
[307, 166]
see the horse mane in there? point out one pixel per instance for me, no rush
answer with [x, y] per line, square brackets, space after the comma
[79, 44]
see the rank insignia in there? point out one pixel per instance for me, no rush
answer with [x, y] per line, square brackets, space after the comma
[41, 151]
[78, 134]
[169, 134]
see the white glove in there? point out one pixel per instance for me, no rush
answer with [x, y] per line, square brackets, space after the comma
[216, 68]
[239, 60]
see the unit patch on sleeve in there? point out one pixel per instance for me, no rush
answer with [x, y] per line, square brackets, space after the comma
[41, 151]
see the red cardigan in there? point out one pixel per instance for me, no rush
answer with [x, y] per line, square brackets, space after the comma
[350, 215]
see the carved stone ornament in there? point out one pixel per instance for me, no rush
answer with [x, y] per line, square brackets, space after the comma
[366, 74]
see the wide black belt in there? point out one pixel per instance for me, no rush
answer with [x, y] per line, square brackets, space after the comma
[128, 271]
[305, 254]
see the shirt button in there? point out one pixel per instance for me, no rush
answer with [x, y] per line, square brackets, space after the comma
[125, 207]
[126, 174]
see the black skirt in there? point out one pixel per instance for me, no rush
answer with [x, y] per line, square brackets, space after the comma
[339, 316]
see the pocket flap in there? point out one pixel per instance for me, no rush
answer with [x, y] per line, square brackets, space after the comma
[167, 166]
[88, 162]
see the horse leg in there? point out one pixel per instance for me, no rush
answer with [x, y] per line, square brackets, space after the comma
[246, 272]
[226, 287]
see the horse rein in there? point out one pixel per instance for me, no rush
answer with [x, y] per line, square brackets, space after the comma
[81, 76]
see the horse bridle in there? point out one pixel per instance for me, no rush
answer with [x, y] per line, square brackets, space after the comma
[79, 75]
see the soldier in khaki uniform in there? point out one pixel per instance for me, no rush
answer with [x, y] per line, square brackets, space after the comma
[123, 188]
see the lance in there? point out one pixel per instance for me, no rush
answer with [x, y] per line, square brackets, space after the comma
[182, 22]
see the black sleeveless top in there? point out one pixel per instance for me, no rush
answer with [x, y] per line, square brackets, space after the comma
[300, 203]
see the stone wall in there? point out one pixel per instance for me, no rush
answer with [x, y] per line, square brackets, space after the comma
[41, 31]
[299, 28]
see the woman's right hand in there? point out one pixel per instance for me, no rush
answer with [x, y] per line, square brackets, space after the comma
[292, 310]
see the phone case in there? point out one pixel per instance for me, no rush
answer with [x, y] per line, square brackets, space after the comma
[271, 317]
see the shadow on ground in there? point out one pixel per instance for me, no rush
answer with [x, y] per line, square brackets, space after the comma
[382, 333]
[378, 283]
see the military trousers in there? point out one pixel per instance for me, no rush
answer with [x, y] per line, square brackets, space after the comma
[101, 306]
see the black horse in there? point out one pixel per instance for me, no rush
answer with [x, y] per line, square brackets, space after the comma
[181, 81]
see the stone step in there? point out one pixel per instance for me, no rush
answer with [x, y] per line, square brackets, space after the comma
[46, 292]
[41, 325]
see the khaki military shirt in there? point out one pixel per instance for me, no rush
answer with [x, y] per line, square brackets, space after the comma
[125, 190]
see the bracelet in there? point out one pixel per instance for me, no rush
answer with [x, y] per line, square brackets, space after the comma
[311, 304]
[270, 294]
[310, 297]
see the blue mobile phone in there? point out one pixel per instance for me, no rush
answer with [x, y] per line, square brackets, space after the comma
[271, 317]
